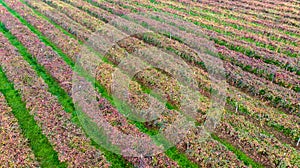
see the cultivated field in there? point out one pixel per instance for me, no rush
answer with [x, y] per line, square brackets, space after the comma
[136, 83]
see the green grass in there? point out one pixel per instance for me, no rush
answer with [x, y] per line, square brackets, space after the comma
[278, 127]
[38, 33]
[53, 86]
[53, 23]
[210, 15]
[116, 160]
[101, 89]
[213, 15]
[181, 158]
[232, 47]
[41, 147]
[172, 153]
[240, 49]
[64, 99]
[241, 155]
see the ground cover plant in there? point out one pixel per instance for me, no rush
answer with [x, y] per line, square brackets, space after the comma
[136, 83]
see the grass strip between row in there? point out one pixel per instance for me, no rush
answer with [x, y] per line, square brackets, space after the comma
[173, 153]
[54, 88]
[39, 144]
[248, 52]
[66, 101]
[241, 155]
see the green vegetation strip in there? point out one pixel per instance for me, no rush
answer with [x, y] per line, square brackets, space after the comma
[215, 15]
[66, 101]
[100, 88]
[54, 88]
[53, 23]
[243, 50]
[241, 155]
[173, 153]
[210, 15]
[227, 33]
[182, 160]
[40, 145]
[276, 126]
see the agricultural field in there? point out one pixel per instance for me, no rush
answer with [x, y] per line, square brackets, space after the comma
[136, 83]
